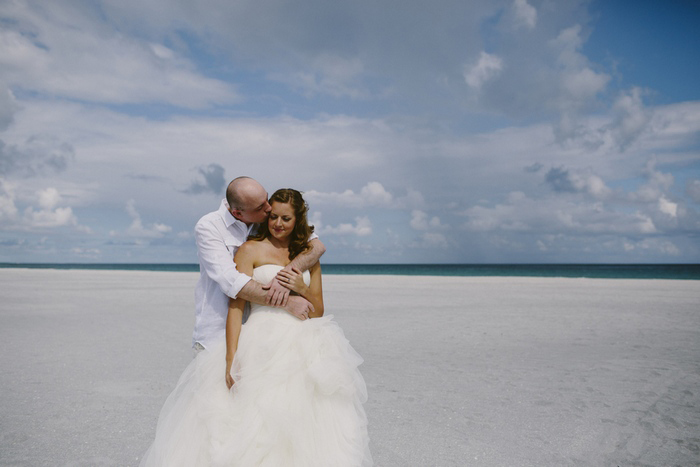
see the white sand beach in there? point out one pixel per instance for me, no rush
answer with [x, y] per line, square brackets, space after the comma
[460, 370]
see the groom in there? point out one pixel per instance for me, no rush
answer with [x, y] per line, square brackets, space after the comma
[218, 236]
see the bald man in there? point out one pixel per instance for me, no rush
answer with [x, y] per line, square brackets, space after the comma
[218, 236]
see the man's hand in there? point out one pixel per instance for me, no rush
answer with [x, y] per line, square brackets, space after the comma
[299, 307]
[277, 294]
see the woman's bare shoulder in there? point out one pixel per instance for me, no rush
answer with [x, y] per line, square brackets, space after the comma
[253, 248]
[250, 245]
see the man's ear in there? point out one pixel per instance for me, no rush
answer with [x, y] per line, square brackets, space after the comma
[235, 213]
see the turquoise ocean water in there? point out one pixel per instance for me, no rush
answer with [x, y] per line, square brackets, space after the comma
[600, 271]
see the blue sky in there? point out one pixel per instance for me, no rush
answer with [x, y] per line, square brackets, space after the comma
[447, 131]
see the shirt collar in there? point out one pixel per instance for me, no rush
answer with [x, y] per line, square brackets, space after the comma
[229, 220]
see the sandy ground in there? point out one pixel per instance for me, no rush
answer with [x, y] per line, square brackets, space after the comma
[460, 371]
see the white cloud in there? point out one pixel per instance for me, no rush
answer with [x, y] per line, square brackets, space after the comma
[414, 199]
[581, 85]
[210, 180]
[137, 229]
[372, 194]
[631, 117]
[665, 247]
[40, 154]
[668, 207]
[328, 74]
[657, 184]
[577, 181]
[49, 198]
[537, 68]
[8, 210]
[45, 218]
[486, 68]
[375, 194]
[630, 126]
[525, 14]
[47, 215]
[692, 189]
[8, 106]
[555, 215]
[433, 240]
[674, 124]
[578, 83]
[316, 220]
[361, 228]
[341, 49]
[420, 221]
[58, 50]
[91, 253]
[379, 127]
[454, 171]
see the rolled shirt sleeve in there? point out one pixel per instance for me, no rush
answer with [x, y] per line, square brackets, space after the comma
[216, 252]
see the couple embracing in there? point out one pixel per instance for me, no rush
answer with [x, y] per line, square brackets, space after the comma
[283, 389]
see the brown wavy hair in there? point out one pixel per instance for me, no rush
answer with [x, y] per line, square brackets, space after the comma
[299, 238]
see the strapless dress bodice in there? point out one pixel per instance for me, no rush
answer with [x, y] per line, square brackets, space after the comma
[264, 274]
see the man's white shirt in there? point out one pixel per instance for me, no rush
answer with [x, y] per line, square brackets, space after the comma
[218, 236]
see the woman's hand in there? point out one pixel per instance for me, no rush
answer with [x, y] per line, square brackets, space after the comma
[229, 379]
[293, 280]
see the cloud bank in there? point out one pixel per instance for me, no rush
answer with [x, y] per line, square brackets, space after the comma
[445, 132]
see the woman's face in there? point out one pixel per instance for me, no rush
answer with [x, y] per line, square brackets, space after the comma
[282, 220]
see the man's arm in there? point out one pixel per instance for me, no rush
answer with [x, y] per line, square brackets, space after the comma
[216, 261]
[307, 259]
[253, 291]
[277, 294]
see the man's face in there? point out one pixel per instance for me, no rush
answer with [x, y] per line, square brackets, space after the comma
[256, 210]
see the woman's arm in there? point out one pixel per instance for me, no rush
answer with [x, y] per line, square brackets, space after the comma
[244, 263]
[313, 292]
[234, 321]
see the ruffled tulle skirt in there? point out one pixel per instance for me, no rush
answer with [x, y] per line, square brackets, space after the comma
[297, 401]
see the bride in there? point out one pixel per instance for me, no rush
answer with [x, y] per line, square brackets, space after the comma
[278, 391]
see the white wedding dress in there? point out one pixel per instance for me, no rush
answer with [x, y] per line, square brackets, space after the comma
[297, 399]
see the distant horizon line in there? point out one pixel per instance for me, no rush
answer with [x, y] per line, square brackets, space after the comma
[70, 263]
[590, 270]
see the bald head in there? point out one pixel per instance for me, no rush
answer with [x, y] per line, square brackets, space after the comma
[247, 200]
